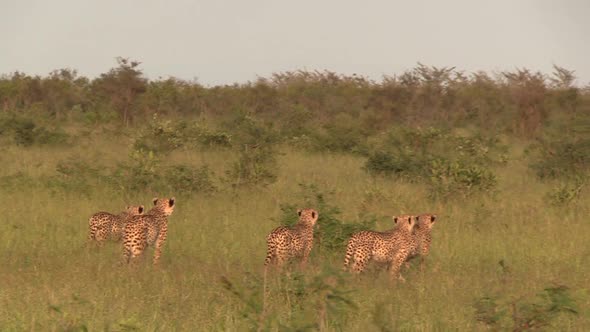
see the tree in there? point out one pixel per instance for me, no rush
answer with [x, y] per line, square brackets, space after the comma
[121, 87]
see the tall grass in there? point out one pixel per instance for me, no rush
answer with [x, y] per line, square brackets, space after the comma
[211, 272]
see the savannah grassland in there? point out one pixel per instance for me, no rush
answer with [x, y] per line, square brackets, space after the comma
[510, 253]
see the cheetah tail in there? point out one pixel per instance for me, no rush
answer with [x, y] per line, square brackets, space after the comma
[349, 254]
[271, 252]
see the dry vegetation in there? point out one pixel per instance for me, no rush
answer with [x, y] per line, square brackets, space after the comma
[503, 160]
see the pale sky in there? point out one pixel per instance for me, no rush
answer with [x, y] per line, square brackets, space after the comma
[221, 42]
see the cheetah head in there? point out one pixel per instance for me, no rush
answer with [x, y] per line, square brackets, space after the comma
[405, 220]
[166, 205]
[135, 210]
[308, 216]
[427, 220]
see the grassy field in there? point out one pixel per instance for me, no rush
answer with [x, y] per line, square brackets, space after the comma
[211, 275]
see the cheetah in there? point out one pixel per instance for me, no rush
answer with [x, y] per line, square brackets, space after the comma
[423, 236]
[103, 226]
[392, 247]
[148, 229]
[285, 243]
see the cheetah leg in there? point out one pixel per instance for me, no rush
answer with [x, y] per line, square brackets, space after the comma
[160, 243]
[359, 263]
[407, 263]
[423, 254]
[305, 257]
[126, 255]
[100, 236]
[396, 265]
[422, 258]
[280, 259]
[132, 250]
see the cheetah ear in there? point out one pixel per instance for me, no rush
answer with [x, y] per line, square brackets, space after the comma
[409, 220]
[432, 218]
[395, 219]
[127, 207]
[140, 209]
[417, 218]
[171, 202]
[155, 200]
[299, 212]
[313, 214]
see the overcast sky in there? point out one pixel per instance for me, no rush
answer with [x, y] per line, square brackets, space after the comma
[221, 42]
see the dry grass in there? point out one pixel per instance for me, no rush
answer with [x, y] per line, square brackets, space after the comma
[50, 281]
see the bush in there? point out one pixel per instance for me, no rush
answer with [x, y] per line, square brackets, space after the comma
[140, 172]
[255, 143]
[401, 165]
[25, 132]
[449, 164]
[331, 233]
[256, 165]
[456, 178]
[164, 136]
[186, 179]
[531, 313]
[562, 160]
[344, 134]
[411, 151]
[566, 193]
[75, 175]
[564, 151]
[145, 171]
[314, 301]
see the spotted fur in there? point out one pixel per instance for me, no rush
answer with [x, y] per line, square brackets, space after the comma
[392, 247]
[423, 236]
[147, 230]
[284, 243]
[104, 226]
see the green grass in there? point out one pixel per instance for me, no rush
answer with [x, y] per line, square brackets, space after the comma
[50, 281]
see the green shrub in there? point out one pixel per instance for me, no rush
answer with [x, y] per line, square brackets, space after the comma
[25, 132]
[561, 159]
[162, 136]
[140, 172]
[255, 143]
[450, 164]
[566, 193]
[344, 134]
[75, 175]
[186, 179]
[532, 313]
[331, 233]
[314, 301]
[401, 165]
[456, 178]
[144, 171]
[256, 165]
